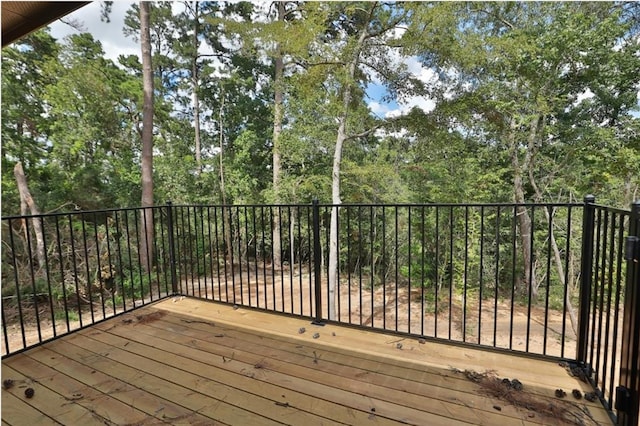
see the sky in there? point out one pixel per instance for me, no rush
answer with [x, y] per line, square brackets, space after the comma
[109, 34]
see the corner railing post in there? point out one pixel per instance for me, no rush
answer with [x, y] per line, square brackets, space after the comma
[317, 261]
[628, 393]
[172, 255]
[586, 276]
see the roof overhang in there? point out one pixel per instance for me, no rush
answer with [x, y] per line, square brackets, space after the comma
[20, 18]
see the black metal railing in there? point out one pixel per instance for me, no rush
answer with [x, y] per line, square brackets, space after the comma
[62, 272]
[603, 283]
[556, 280]
[225, 253]
[445, 271]
[458, 272]
[627, 401]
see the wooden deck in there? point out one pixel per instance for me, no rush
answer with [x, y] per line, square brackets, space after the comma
[187, 361]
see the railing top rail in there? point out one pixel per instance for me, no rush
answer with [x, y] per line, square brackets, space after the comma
[80, 212]
[455, 205]
[386, 205]
[609, 209]
[201, 205]
[323, 205]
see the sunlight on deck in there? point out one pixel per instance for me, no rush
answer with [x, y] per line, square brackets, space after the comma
[188, 361]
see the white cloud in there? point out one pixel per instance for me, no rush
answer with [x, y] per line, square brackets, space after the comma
[109, 34]
[396, 33]
[379, 109]
[406, 103]
[587, 94]
[426, 75]
[383, 133]
[425, 104]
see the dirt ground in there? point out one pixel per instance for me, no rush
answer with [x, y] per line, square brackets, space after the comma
[30, 332]
[400, 309]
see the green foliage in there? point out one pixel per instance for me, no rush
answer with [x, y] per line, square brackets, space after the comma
[24, 128]
[537, 98]
[494, 63]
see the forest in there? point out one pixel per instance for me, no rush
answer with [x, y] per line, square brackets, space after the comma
[234, 106]
[269, 103]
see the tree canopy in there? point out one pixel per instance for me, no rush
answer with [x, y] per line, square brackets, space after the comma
[530, 101]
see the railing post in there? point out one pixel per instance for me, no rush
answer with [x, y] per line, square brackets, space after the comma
[628, 393]
[172, 255]
[586, 276]
[317, 261]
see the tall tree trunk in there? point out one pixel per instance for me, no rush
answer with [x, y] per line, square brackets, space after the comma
[195, 88]
[557, 256]
[524, 220]
[225, 219]
[146, 229]
[560, 268]
[277, 130]
[335, 173]
[27, 202]
[221, 147]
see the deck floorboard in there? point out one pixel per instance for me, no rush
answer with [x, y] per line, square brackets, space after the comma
[188, 361]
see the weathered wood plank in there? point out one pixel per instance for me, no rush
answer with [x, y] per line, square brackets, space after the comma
[410, 373]
[261, 380]
[189, 342]
[151, 405]
[443, 357]
[198, 362]
[326, 400]
[378, 343]
[160, 382]
[101, 404]
[254, 408]
[45, 400]
[16, 411]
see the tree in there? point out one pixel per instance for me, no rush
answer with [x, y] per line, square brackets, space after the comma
[363, 26]
[285, 40]
[92, 111]
[256, 104]
[278, 105]
[146, 237]
[516, 73]
[24, 124]
[27, 202]
[195, 28]
[195, 75]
